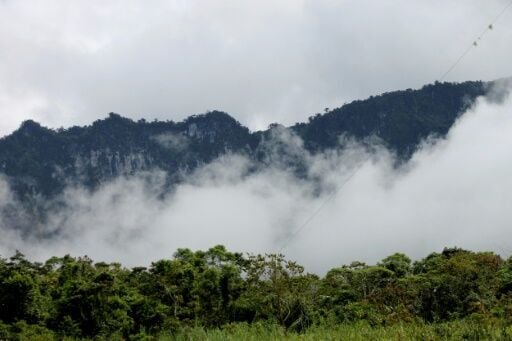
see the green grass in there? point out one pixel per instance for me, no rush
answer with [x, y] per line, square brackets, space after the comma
[460, 330]
[457, 330]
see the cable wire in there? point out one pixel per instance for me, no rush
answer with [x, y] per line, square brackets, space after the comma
[474, 44]
[316, 212]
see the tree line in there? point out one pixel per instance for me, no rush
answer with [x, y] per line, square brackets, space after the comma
[78, 298]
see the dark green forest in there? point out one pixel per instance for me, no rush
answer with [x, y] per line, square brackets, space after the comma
[36, 159]
[218, 290]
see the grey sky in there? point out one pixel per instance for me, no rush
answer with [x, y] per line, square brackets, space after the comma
[64, 63]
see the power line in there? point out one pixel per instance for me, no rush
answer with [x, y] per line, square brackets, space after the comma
[474, 44]
[316, 212]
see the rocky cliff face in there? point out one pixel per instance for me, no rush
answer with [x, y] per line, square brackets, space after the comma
[41, 161]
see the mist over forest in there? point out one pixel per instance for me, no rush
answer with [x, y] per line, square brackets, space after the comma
[266, 170]
[374, 201]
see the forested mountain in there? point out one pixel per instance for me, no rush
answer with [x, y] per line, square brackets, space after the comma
[456, 293]
[38, 160]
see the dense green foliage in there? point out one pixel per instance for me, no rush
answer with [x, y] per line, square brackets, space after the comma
[36, 159]
[400, 119]
[218, 292]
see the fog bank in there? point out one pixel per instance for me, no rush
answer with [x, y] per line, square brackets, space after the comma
[453, 192]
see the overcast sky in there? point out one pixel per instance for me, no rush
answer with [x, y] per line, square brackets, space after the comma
[64, 63]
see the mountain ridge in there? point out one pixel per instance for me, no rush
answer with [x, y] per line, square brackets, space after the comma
[41, 161]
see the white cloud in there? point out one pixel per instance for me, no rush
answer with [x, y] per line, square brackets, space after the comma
[174, 141]
[454, 192]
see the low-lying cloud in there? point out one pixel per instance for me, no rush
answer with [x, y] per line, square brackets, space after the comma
[453, 192]
[174, 141]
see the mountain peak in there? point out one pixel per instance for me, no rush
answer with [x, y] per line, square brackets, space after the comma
[219, 116]
[29, 124]
[113, 120]
[30, 128]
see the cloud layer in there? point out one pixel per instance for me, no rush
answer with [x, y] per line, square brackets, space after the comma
[262, 61]
[454, 192]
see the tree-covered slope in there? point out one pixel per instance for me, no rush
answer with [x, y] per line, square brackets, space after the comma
[38, 160]
[401, 119]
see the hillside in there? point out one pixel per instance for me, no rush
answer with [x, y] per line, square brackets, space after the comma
[42, 161]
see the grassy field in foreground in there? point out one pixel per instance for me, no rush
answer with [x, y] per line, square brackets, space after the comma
[460, 330]
[456, 330]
